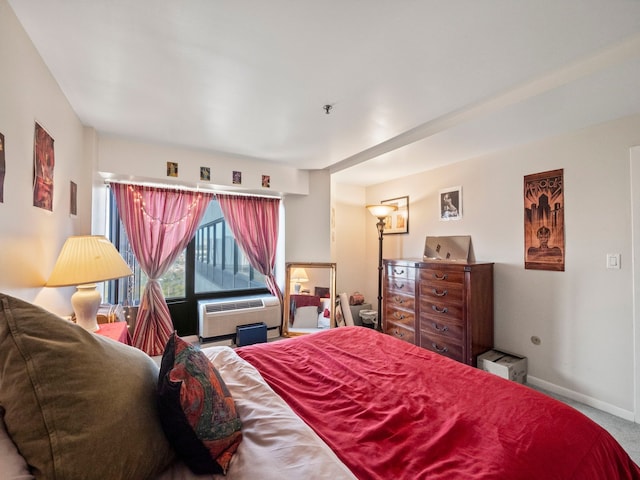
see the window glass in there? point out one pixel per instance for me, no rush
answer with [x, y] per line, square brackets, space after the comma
[219, 264]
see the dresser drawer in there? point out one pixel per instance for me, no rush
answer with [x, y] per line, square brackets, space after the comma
[400, 271]
[399, 316]
[442, 345]
[442, 292]
[446, 274]
[441, 311]
[451, 331]
[400, 285]
[399, 300]
[400, 332]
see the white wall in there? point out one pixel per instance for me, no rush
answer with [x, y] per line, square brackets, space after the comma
[307, 230]
[30, 237]
[584, 315]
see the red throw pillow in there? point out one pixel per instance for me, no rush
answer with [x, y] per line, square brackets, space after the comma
[196, 409]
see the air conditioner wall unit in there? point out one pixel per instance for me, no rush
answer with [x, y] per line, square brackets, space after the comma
[219, 318]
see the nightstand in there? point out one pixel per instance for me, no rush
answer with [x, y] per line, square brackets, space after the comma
[118, 331]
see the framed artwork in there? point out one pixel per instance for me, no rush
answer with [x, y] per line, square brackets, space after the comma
[205, 174]
[237, 178]
[43, 163]
[73, 198]
[544, 246]
[172, 169]
[450, 203]
[2, 168]
[266, 181]
[398, 221]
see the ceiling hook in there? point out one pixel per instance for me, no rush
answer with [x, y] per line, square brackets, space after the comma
[327, 108]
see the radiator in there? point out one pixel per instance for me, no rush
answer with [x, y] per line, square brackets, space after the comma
[220, 318]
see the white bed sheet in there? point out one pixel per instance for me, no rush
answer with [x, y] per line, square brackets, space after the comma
[276, 443]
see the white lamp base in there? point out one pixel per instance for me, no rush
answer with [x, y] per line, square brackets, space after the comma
[86, 302]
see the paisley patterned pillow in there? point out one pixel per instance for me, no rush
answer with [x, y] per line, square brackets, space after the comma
[196, 409]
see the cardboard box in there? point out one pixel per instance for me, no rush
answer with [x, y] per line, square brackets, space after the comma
[506, 365]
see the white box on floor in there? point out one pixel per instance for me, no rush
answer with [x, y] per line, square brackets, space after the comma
[506, 365]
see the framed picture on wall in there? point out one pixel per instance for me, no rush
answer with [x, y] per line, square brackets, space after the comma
[43, 163]
[451, 203]
[398, 221]
[544, 246]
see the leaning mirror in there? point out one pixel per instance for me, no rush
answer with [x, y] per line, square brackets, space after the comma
[309, 299]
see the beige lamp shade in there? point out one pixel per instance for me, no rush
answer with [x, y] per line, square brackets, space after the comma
[381, 211]
[87, 259]
[299, 275]
[83, 261]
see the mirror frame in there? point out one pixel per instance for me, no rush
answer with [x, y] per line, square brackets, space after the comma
[290, 267]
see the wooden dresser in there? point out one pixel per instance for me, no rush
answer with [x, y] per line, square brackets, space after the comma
[446, 307]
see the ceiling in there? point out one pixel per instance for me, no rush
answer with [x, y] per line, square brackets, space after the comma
[412, 84]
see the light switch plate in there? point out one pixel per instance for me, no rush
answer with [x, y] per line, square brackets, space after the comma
[613, 261]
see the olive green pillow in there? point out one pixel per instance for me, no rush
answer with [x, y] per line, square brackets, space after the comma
[77, 405]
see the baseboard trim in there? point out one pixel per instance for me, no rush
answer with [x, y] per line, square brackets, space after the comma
[579, 397]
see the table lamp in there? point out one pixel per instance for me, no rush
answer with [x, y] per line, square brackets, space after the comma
[83, 261]
[299, 276]
[381, 212]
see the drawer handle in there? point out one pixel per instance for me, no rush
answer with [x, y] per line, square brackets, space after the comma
[440, 310]
[439, 294]
[398, 299]
[399, 316]
[398, 272]
[438, 348]
[401, 286]
[439, 328]
[440, 277]
[397, 333]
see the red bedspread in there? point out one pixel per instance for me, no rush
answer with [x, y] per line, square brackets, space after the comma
[391, 410]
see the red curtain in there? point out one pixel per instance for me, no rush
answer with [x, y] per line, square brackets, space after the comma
[254, 223]
[159, 223]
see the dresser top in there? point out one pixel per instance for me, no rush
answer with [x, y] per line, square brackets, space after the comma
[419, 262]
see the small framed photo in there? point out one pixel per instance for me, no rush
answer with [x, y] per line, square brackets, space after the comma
[205, 174]
[172, 169]
[398, 221]
[73, 200]
[266, 181]
[451, 203]
[237, 177]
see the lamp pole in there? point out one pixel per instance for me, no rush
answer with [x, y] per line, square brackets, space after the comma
[381, 212]
[380, 226]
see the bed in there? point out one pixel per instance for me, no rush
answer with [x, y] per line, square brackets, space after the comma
[342, 403]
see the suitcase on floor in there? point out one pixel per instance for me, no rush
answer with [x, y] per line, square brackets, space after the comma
[250, 334]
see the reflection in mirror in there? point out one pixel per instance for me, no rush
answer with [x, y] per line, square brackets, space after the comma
[309, 299]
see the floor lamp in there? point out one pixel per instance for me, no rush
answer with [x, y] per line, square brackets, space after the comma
[381, 212]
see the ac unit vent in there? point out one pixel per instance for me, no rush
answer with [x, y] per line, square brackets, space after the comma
[221, 317]
[227, 306]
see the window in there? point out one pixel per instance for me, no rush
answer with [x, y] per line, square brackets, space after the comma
[212, 266]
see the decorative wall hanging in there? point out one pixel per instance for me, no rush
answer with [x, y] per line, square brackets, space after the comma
[2, 168]
[237, 178]
[205, 174]
[266, 181]
[73, 198]
[172, 169]
[544, 221]
[398, 221]
[451, 203]
[43, 163]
